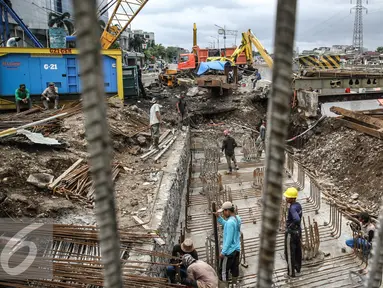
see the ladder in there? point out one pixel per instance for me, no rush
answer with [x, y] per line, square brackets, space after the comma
[19, 21]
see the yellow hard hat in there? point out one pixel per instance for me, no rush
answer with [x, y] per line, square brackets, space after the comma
[291, 193]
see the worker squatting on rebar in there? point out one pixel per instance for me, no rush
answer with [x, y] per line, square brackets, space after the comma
[155, 122]
[231, 248]
[293, 234]
[363, 233]
[186, 248]
[199, 273]
[228, 146]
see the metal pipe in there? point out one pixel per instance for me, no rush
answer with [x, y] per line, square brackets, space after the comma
[97, 135]
[278, 117]
[216, 242]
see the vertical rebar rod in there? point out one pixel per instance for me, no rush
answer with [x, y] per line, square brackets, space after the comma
[97, 134]
[375, 274]
[216, 242]
[278, 118]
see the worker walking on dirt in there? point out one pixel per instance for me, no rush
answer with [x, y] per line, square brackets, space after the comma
[140, 85]
[367, 230]
[50, 94]
[22, 96]
[231, 248]
[199, 273]
[181, 109]
[186, 248]
[293, 234]
[155, 121]
[257, 77]
[228, 146]
[260, 142]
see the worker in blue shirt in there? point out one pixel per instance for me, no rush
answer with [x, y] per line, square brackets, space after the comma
[231, 242]
[293, 234]
[257, 77]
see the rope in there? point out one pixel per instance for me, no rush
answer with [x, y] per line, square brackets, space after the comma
[97, 135]
[278, 117]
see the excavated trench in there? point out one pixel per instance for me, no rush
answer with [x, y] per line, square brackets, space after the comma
[184, 203]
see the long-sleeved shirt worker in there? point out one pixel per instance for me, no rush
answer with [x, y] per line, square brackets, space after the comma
[204, 274]
[228, 145]
[21, 95]
[294, 217]
[50, 93]
[231, 234]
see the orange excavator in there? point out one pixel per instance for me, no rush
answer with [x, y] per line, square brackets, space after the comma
[241, 55]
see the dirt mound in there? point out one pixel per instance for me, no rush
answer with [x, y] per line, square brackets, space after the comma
[351, 160]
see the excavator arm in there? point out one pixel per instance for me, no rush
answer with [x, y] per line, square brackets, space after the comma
[123, 14]
[269, 61]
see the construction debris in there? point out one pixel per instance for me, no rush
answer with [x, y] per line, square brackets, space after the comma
[77, 184]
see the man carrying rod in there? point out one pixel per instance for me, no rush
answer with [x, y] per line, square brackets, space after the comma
[230, 253]
[293, 234]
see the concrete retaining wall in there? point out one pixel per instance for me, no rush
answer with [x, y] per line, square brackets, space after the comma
[167, 207]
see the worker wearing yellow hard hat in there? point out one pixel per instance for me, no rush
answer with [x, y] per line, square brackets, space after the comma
[293, 234]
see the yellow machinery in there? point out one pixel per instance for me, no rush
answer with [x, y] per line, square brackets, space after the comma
[123, 14]
[248, 38]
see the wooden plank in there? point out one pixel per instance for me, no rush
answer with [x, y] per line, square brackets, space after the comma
[159, 241]
[358, 116]
[165, 148]
[70, 169]
[361, 128]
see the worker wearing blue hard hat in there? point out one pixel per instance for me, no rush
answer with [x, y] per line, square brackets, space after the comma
[293, 234]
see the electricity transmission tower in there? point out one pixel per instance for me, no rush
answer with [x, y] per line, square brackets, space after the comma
[358, 24]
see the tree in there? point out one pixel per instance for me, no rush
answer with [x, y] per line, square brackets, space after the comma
[171, 53]
[379, 49]
[135, 43]
[61, 21]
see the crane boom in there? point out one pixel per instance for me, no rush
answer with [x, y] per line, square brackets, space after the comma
[123, 14]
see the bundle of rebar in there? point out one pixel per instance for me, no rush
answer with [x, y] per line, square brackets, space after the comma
[77, 185]
[76, 259]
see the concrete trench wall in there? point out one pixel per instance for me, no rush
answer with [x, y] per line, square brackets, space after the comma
[169, 200]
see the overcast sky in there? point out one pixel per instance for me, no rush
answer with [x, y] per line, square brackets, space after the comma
[320, 23]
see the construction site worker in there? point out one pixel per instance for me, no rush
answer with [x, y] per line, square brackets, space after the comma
[231, 247]
[181, 109]
[257, 77]
[228, 146]
[293, 234]
[12, 42]
[367, 228]
[260, 142]
[155, 121]
[140, 85]
[50, 94]
[186, 248]
[199, 273]
[22, 96]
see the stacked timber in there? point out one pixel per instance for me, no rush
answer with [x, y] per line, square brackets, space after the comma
[369, 122]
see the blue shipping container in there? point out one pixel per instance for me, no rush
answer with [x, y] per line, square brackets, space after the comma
[37, 70]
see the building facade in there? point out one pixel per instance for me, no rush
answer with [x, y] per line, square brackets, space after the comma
[35, 13]
[148, 37]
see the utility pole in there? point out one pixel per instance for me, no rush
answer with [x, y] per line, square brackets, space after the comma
[358, 24]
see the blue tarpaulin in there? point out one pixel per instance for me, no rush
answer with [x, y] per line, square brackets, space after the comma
[214, 65]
